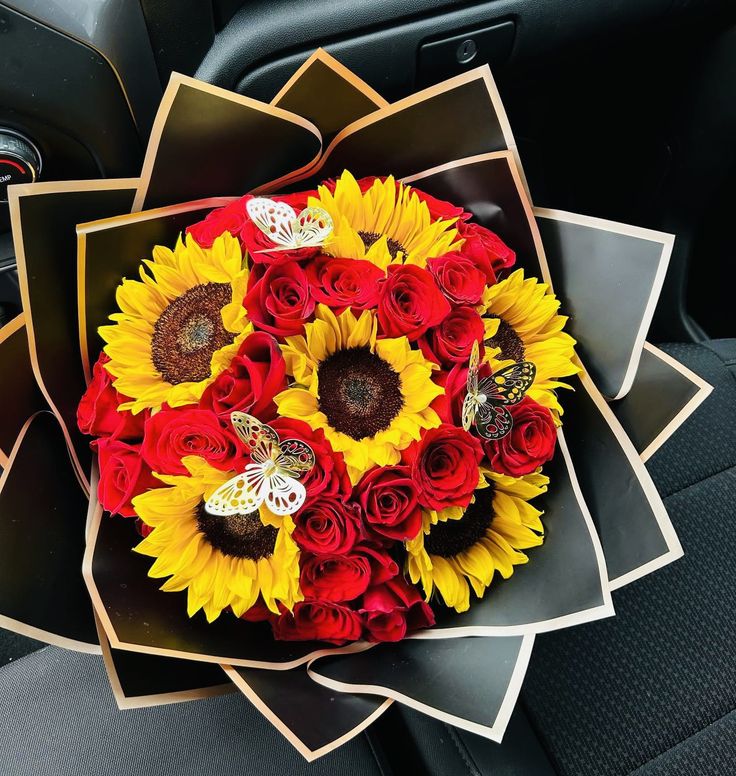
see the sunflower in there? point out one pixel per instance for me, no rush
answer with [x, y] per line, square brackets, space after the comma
[371, 397]
[220, 561]
[522, 324]
[179, 326]
[458, 549]
[387, 224]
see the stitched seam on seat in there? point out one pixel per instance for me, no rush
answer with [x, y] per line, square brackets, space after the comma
[729, 468]
[463, 751]
[680, 743]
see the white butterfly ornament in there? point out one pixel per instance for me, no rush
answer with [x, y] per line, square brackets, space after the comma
[486, 402]
[270, 477]
[289, 231]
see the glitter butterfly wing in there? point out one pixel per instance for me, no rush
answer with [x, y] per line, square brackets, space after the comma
[280, 223]
[260, 440]
[295, 457]
[493, 421]
[510, 384]
[285, 494]
[470, 403]
[242, 494]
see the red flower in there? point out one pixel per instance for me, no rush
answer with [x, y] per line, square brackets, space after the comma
[328, 526]
[486, 249]
[383, 566]
[320, 621]
[440, 208]
[98, 414]
[257, 243]
[410, 302]
[123, 475]
[230, 218]
[529, 444]
[280, 302]
[254, 377]
[450, 404]
[172, 434]
[393, 609]
[444, 466]
[259, 612]
[451, 342]
[335, 577]
[342, 283]
[389, 501]
[459, 277]
[328, 476]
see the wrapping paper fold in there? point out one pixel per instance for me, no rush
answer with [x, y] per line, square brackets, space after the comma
[73, 245]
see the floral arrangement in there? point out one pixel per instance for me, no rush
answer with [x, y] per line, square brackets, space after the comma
[330, 410]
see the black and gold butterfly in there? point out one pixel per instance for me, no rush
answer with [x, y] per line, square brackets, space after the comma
[486, 402]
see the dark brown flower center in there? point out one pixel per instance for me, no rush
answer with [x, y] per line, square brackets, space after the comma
[359, 392]
[451, 537]
[506, 338]
[369, 238]
[189, 331]
[241, 536]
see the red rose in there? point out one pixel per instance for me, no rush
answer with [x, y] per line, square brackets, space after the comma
[257, 243]
[328, 476]
[172, 434]
[410, 302]
[450, 404]
[486, 249]
[440, 208]
[393, 609]
[451, 342]
[259, 612]
[383, 566]
[444, 466]
[254, 377]
[328, 526]
[335, 577]
[318, 621]
[123, 475]
[230, 218]
[459, 278]
[342, 283]
[280, 302]
[389, 502]
[98, 414]
[529, 444]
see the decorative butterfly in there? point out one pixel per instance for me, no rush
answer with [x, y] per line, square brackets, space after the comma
[486, 402]
[280, 223]
[271, 476]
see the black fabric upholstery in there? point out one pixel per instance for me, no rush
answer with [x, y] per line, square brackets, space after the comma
[652, 691]
[706, 444]
[58, 718]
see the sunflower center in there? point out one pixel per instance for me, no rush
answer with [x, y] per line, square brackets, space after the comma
[240, 536]
[359, 392]
[506, 338]
[189, 331]
[369, 238]
[452, 537]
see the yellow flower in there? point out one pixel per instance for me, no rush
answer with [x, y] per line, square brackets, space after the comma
[459, 549]
[522, 324]
[220, 561]
[387, 224]
[179, 326]
[371, 397]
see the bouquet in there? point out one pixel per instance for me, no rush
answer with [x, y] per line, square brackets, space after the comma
[325, 388]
